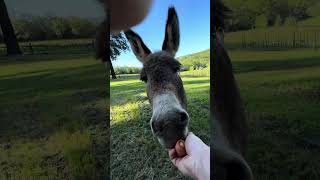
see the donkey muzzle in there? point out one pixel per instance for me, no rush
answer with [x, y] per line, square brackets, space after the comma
[170, 126]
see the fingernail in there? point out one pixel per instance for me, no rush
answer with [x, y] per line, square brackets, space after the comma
[181, 144]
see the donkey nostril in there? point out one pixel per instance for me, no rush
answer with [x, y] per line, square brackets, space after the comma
[183, 117]
[157, 126]
[153, 126]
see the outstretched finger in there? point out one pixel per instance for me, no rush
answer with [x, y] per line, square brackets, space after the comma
[172, 153]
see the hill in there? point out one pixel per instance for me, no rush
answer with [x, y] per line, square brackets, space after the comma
[195, 61]
[203, 56]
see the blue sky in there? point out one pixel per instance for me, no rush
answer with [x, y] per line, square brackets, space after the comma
[194, 18]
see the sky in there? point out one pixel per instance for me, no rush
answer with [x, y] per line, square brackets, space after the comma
[194, 19]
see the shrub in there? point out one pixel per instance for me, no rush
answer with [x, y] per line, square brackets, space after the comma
[30, 28]
[127, 70]
[291, 21]
[261, 21]
[81, 27]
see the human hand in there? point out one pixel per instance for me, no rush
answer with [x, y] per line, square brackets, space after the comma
[127, 13]
[196, 164]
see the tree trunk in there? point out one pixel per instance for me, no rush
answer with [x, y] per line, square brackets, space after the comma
[9, 36]
[113, 73]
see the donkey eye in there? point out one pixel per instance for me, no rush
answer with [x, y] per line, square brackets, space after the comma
[144, 79]
[143, 76]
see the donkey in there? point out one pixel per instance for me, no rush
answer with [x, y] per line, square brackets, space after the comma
[160, 72]
[228, 120]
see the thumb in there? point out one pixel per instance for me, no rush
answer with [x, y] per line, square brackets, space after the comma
[194, 144]
[185, 165]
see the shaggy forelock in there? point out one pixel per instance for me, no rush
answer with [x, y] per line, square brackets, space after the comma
[159, 65]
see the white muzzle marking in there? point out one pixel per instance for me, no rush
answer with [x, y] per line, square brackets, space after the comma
[162, 104]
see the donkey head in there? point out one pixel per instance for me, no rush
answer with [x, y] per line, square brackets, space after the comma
[164, 86]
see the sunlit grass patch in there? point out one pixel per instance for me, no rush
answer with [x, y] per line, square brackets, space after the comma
[63, 155]
[124, 112]
[76, 149]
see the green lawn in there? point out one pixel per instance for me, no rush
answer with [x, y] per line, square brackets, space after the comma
[281, 91]
[53, 117]
[57, 47]
[314, 21]
[57, 42]
[135, 153]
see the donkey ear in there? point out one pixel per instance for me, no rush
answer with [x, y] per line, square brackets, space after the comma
[138, 47]
[172, 37]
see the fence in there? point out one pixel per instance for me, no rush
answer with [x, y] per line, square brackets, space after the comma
[196, 73]
[277, 38]
[298, 40]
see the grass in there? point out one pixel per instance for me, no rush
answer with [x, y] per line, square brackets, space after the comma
[57, 47]
[135, 153]
[197, 73]
[57, 42]
[314, 21]
[53, 113]
[281, 91]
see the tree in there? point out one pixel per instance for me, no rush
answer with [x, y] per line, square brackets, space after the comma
[10, 38]
[275, 11]
[61, 27]
[299, 8]
[21, 27]
[82, 28]
[33, 28]
[118, 44]
[261, 21]
[1, 36]
[291, 21]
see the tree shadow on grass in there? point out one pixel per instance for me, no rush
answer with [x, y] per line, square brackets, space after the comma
[41, 109]
[274, 137]
[24, 59]
[41, 104]
[283, 118]
[276, 64]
